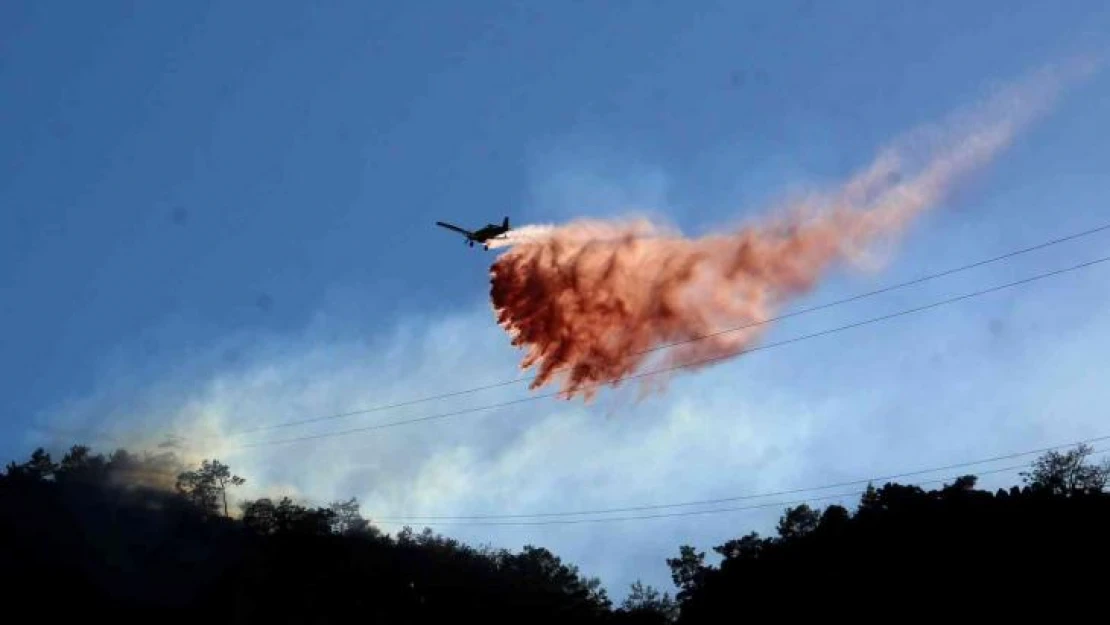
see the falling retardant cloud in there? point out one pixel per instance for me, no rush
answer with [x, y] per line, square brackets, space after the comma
[593, 302]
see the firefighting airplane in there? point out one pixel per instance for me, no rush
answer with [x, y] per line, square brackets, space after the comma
[482, 235]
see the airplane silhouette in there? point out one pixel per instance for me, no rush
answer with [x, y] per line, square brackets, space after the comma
[482, 235]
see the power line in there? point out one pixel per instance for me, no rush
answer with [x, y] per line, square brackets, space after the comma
[705, 361]
[803, 311]
[886, 289]
[703, 502]
[857, 297]
[687, 513]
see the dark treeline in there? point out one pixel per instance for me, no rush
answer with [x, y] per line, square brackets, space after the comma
[141, 537]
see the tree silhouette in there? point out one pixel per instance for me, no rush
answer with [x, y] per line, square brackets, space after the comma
[798, 521]
[346, 518]
[834, 518]
[40, 466]
[76, 459]
[260, 516]
[645, 604]
[902, 536]
[964, 483]
[207, 485]
[113, 535]
[1067, 472]
[746, 547]
[687, 569]
[870, 502]
[290, 517]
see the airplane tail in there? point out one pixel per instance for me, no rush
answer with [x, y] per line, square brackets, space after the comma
[505, 224]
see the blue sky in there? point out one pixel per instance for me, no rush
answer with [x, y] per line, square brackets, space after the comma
[222, 214]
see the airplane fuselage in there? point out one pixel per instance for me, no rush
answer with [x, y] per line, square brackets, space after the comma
[481, 235]
[488, 232]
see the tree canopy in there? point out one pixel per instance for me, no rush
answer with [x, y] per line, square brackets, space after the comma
[141, 536]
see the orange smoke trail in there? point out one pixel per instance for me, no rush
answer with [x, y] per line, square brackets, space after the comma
[592, 300]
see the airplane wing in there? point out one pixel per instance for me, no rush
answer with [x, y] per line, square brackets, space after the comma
[455, 228]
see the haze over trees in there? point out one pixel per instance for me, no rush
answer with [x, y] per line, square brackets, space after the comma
[141, 537]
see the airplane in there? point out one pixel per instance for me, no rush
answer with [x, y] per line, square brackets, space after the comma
[482, 235]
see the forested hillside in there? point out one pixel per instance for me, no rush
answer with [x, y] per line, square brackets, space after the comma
[142, 538]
